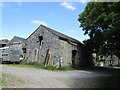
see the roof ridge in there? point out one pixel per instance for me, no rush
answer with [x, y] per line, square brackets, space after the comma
[61, 34]
[21, 39]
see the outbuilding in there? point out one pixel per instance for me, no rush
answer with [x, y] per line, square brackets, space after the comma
[49, 47]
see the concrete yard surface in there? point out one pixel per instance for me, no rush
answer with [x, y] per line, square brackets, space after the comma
[40, 78]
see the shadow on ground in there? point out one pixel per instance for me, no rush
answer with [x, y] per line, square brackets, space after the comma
[106, 70]
[110, 81]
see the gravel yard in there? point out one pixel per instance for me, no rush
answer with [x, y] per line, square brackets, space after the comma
[40, 78]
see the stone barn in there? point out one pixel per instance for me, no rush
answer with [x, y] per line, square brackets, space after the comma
[50, 47]
[20, 43]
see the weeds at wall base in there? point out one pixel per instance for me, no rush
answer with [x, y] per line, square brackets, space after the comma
[41, 66]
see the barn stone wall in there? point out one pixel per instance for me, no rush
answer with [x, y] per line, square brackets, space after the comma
[66, 50]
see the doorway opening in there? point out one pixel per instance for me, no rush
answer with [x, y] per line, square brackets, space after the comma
[74, 53]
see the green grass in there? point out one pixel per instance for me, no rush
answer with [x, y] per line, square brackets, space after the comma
[41, 66]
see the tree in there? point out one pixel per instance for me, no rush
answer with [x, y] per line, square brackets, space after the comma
[101, 21]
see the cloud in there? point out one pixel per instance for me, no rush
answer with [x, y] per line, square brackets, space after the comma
[19, 3]
[71, 31]
[68, 5]
[2, 5]
[39, 22]
[84, 1]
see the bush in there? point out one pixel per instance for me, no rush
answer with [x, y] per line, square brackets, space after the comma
[116, 65]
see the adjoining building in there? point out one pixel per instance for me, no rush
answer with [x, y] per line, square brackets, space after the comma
[105, 60]
[4, 42]
[20, 43]
[12, 51]
[50, 47]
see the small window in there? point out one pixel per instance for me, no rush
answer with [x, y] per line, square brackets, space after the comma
[74, 52]
[4, 54]
[40, 39]
[3, 45]
[35, 52]
[24, 50]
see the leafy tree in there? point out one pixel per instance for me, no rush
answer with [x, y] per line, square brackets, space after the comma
[101, 21]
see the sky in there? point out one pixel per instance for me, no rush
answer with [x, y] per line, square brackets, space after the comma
[23, 18]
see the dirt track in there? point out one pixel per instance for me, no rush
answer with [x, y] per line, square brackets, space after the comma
[39, 78]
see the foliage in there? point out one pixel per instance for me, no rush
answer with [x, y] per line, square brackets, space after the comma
[101, 21]
[97, 58]
[116, 65]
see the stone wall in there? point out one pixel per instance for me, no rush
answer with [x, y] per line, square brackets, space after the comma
[42, 40]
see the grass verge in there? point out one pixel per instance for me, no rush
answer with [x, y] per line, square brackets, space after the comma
[41, 66]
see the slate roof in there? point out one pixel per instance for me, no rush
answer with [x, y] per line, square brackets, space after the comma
[60, 35]
[20, 39]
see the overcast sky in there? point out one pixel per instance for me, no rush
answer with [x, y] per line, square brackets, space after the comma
[22, 18]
